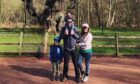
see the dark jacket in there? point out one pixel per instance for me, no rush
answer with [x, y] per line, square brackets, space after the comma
[56, 53]
[69, 40]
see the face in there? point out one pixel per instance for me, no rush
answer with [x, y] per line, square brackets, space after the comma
[85, 29]
[56, 43]
[69, 23]
[69, 14]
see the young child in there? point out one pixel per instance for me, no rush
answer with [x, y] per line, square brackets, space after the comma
[56, 59]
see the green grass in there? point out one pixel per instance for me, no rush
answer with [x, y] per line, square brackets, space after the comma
[36, 36]
[129, 50]
[112, 32]
[9, 48]
[103, 41]
[104, 50]
[7, 39]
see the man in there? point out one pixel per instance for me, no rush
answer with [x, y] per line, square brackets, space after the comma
[69, 34]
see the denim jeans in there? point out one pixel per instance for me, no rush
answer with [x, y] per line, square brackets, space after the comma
[87, 57]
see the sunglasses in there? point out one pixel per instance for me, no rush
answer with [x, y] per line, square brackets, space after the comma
[69, 21]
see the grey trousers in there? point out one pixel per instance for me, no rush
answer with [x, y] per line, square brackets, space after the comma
[55, 69]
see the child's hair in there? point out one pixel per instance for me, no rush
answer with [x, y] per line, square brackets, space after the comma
[69, 11]
[56, 39]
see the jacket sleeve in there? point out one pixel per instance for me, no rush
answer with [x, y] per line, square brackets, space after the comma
[76, 34]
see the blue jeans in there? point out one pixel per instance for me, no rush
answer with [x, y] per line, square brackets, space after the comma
[87, 57]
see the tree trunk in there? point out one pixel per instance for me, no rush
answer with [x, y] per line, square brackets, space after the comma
[0, 6]
[97, 12]
[112, 13]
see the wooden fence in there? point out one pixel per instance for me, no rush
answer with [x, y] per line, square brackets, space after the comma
[117, 46]
[116, 38]
[20, 44]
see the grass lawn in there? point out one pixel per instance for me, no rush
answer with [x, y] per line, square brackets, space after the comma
[37, 37]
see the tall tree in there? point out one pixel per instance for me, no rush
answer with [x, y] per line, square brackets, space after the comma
[97, 12]
[111, 12]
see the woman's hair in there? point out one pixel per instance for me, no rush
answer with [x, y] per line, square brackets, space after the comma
[84, 33]
[85, 25]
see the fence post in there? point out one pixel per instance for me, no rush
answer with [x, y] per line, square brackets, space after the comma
[117, 44]
[20, 42]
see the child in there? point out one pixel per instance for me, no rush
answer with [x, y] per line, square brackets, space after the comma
[56, 58]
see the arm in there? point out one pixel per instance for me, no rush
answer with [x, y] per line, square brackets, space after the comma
[89, 39]
[76, 34]
[61, 35]
[86, 41]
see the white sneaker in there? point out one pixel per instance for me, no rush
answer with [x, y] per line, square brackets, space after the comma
[82, 77]
[85, 79]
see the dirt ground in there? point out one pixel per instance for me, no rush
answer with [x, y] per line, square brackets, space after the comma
[104, 70]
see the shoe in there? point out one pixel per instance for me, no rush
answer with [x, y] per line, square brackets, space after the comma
[53, 78]
[82, 76]
[64, 78]
[77, 80]
[57, 78]
[85, 78]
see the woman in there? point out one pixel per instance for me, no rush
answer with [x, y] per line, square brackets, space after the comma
[85, 51]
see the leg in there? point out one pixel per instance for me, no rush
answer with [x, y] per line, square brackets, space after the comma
[58, 71]
[53, 71]
[80, 60]
[87, 62]
[74, 60]
[66, 61]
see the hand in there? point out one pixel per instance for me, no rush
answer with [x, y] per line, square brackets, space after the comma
[66, 32]
[72, 32]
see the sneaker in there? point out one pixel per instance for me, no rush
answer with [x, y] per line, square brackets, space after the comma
[77, 80]
[82, 76]
[64, 78]
[53, 78]
[57, 78]
[85, 79]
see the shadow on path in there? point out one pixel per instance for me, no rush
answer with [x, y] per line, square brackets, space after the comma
[33, 71]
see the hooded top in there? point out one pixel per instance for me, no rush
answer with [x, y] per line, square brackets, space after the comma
[56, 53]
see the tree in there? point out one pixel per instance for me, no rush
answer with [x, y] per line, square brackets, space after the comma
[111, 12]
